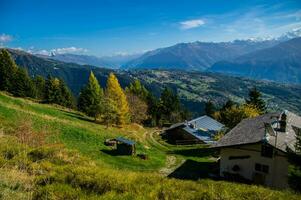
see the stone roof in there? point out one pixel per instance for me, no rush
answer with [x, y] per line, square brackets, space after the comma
[125, 141]
[254, 130]
[201, 128]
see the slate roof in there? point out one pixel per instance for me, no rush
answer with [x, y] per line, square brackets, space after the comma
[253, 130]
[207, 123]
[201, 128]
[125, 141]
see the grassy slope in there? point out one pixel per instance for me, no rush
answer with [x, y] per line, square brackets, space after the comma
[78, 132]
[95, 173]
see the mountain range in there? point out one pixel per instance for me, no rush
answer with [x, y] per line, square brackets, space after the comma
[196, 56]
[194, 88]
[112, 62]
[279, 63]
[276, 59]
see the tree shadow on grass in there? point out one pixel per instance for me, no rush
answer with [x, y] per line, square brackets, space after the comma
[78, 116]
[193, 170]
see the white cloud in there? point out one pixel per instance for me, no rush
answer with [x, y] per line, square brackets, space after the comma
[63, 50]
[5, 38]
[69, 50]
[191, 24]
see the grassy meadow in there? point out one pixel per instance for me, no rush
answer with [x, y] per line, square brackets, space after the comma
[48, 152]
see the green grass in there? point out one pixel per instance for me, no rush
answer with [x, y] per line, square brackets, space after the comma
[77, 132]
[73, 162]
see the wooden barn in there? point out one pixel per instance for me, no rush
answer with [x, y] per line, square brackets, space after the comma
[199, 130]
[125, 146]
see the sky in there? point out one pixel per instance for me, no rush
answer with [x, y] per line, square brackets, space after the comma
[109, 27]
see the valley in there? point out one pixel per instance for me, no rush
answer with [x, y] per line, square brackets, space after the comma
[194, 88]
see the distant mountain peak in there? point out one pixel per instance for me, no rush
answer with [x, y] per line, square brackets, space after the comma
[291, 34]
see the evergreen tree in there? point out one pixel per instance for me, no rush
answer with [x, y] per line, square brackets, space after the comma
[228, 104]
[91, 98]
[210, 108]
[256, 100]
[53, 93]
[138, 89]
[67, 99]
[8, 68]
[169, 110]
[22, 84]
[153, 110]
[115, 93]
[40, 84]
[169, 101]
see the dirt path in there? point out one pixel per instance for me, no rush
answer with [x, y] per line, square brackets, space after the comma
[172, 162]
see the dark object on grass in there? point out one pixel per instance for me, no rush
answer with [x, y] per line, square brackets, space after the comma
[110, 142]
[125, 146]
[143, 156]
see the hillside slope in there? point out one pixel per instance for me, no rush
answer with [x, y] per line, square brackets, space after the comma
[194, 87]
[47, 152]
[280, 63]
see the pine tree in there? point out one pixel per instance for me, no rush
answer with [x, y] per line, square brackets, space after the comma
[115, 93]
[153, 110]
[169, 102]
[210, 108]
[228, 104]
[40, 84]
[8, 69]
[52, 91]
[22, 84]
[91, 98]
[256, 100]
[67, 99]
[138, 89]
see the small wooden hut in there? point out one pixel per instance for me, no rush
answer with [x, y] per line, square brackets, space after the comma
[125, 146]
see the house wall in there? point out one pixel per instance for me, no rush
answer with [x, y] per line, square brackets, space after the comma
[278, 165]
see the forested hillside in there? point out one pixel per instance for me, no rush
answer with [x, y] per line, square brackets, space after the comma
[194, 88]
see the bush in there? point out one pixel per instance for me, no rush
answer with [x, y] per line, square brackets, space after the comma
[40, 154]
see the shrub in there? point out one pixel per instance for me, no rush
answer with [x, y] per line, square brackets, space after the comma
[40, 154]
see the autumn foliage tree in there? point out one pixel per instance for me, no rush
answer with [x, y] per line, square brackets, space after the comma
[117, 97]
[138, 108]
[231, 116]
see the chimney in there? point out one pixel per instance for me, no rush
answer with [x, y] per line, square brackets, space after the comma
[282, 122]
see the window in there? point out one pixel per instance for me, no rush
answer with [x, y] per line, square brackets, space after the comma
[258, 167]
[266, 151]
[261, 168]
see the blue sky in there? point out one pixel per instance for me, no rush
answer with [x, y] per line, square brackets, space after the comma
[107, 27]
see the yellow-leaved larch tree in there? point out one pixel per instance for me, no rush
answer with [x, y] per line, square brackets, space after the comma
[117, 96]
